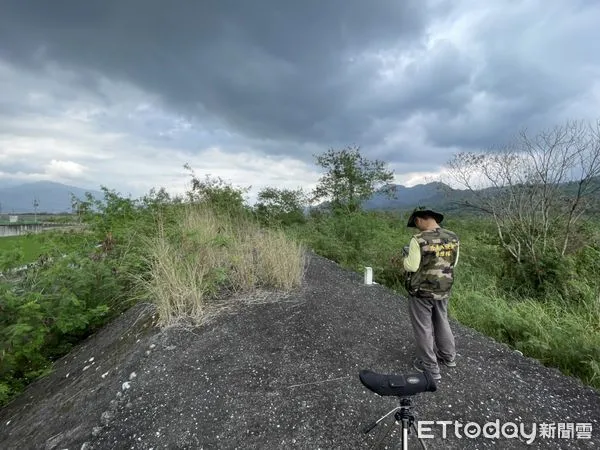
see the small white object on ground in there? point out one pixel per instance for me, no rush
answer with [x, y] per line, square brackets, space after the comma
[126, 385]
[368, 275]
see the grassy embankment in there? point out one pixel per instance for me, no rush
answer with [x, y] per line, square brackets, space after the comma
[188, 258]
[184, 258]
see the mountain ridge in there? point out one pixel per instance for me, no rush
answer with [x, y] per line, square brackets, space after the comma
[52, 197]
[429, 194]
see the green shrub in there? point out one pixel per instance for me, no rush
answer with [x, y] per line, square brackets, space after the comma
[76, 290]
[48, 311]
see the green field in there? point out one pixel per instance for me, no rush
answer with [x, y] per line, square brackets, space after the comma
[30, 245]
[27, 248]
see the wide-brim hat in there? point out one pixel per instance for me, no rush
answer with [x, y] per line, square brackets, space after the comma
[424, 213]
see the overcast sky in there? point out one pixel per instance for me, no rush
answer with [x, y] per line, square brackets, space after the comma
[123, 93]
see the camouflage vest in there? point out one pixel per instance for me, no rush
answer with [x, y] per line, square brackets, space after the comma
[435, 276]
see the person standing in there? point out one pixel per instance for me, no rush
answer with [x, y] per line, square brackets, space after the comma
[429, 263]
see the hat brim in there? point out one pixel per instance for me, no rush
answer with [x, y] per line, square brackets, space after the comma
[424, 213]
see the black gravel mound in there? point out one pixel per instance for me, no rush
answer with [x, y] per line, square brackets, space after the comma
[285, 375]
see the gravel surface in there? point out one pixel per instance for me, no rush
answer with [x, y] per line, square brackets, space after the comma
[285, 375]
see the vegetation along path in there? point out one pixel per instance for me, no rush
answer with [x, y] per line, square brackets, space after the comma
[284, 374]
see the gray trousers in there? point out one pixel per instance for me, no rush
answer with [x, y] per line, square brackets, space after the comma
[432, 331]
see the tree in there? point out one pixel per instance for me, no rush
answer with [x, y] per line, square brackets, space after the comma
[281, 206]
[536, 189]
[350, 178]
[217, 193]
[81, 208]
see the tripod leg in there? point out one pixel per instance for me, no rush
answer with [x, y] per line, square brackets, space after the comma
[420, 439]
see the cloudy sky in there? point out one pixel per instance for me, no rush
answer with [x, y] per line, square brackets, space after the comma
[123, 93]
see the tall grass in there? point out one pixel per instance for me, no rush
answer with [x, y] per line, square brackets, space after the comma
[204, 255]
[558, 334]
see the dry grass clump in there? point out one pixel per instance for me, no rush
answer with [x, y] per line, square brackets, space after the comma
[208, 256]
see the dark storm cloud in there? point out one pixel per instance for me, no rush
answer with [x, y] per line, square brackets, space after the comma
[270, 68]
[534, 62]
[300, 73]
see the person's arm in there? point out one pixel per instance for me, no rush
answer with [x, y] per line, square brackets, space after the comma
[413, 260]
[457, 254]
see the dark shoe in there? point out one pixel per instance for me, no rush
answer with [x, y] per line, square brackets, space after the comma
[418, 365]
[448, 363]
[451, 363]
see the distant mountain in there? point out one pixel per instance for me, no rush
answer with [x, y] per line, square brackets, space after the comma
[431, 195]
[52, 197]
[441, 197]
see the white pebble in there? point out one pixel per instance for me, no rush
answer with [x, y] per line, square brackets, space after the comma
[126, 385]
[91, 359]
[132, 376]
[86, 367]
[104, 374]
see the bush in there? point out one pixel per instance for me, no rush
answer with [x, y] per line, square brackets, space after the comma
[570, 279]
[55, 306]
[280, 207]
[73, 291]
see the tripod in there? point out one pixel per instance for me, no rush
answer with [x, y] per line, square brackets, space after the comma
[401, 386]
[403, 416]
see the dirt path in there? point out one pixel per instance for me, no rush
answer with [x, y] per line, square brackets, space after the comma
[285, 375]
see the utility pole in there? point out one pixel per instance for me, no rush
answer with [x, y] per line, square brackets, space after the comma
[36, 203]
